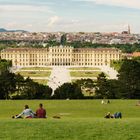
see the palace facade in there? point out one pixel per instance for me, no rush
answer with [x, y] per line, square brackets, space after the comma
[61, 56]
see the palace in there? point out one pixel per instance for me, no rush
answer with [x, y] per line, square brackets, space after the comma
[60, 56]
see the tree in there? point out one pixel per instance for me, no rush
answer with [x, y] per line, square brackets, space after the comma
[87, 85]
[63, 39]
[68, 91]
[34, 90]
[7, 84]
[5, 65]
[129, 77]
[114, 88]
[102, 85]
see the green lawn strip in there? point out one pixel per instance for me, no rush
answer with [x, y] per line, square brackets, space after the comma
[41, 81]
[80, 120]
[84, 68]
[74, 108]
[35, 73]
[36, 68]
[70, 129]
[84, 73]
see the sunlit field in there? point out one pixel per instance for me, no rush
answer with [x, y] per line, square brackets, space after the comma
[41, 81]
[35, 73]
[36, 68]
[84, 68]
[85, 73]
[79, 120]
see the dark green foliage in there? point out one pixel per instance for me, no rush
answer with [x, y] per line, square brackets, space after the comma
[7, 84]
[27, 89]
[68, 91]
[116, 64]
[114, 89]
[137, 59]
[5, 65]
[85, 83]
[102, 86]
[14, 86]
[52, 41]
[63, 39]
[129, 77]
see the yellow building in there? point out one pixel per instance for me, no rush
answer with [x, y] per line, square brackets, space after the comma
[67, 56]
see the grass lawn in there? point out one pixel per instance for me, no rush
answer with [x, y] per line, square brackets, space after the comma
[36, 68]
[80, 120]
[35, 73]
[84, 73]
[84, 68]
[41, 81]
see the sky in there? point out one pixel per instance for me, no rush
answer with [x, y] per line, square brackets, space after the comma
[70, 15]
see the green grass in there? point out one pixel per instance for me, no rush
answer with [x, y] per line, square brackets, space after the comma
[35, 73]
[84, 73]
[84, 68]
[80, 120]
[41, 81]
[36, 68]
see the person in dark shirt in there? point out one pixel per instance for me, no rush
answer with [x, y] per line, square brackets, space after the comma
[41, 112]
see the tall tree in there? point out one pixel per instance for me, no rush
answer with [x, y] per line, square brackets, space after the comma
[63, 39]
[5, 65]
[102, 85]
[68, 90]
[129, 77]
[7, 84]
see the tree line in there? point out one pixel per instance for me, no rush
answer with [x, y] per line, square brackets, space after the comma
[127, 86]
[126, 48]
[15, 86]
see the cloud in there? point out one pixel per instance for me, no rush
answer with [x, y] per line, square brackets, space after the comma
[17, 25]
[52, 21]
[24, 8]
[11, 25]
[120, 3]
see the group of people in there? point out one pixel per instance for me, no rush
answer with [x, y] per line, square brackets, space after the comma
[105, 102]
[28, 113]
[115, 115]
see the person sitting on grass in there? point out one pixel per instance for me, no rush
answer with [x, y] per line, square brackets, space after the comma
[26, 113]
[41, 112]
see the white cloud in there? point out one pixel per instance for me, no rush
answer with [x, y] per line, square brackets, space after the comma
[120, 3]
[11, 25]
[24, 8]
[52, 21]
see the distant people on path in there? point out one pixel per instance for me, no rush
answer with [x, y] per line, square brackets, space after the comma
[108, 101]
[105, 102]
[116, 115]
[26, 113]
[138, 103]
[41, 112]
[102, 102]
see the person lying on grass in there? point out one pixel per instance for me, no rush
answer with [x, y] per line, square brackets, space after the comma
[116, 115]
[26, 113]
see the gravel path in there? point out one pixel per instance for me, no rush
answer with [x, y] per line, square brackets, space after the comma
[59, 76]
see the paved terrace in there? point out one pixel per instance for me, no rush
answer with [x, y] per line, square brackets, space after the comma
[59, 76]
